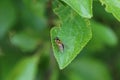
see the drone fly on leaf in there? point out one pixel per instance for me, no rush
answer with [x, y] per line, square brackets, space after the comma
[59, 44]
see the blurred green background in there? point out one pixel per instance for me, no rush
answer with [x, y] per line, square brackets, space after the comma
[26, 52]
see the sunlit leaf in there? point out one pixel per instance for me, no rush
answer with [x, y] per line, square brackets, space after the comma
[82, 7]
[112, 6]
[25, 69]
[74, 32]
[7, 63]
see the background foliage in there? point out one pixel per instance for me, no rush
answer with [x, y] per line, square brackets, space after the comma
[89, 30]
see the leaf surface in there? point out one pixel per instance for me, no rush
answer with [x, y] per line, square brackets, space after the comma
[112, 6]
[74, 32]
[25, 69]
[82, 7]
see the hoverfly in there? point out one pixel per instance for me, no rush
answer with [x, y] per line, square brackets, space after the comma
[59, 44]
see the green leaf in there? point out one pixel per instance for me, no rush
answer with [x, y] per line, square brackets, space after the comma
[102, 35]
[25, 69]
[33, 14]
[36, 7]
[7, 16]
[82, 7]
[74, 32]
[26, 40]
[87, 69]
[112, 6]
[105, 33]
[6, 67]
[100, 11]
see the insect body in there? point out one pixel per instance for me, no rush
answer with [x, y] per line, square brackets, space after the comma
[59, 44]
